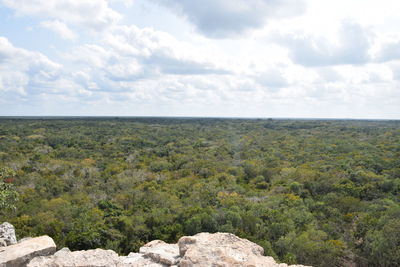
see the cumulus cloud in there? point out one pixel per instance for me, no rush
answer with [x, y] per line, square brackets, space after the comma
[389, 51]
[272, 79]
[60, 28]
[25, 72]
[351, 47]
[127, 3]
[221, 18]
[395, 68]
[13, 58]
[128, 56]
[161, 52]
[329, 75]
[95, 14]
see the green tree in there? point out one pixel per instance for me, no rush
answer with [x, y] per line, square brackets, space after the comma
[8, 193]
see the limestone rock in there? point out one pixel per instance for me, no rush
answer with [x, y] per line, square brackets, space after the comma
[204, 249]
[83, 258]
[7, 233]
[24, 239]
[161, 252]
[138, 260]
[222, 250]
[21, 253]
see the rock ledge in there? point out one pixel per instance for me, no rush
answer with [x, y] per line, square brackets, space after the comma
[201, 250]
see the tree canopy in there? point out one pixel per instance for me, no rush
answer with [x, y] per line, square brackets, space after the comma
[308, 191]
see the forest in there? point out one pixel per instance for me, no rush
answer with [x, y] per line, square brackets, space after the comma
[308, 191]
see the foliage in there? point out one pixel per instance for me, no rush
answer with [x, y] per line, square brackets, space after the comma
[308, 191]
[8, 194]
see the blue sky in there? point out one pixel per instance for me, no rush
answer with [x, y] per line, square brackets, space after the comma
[237, 58]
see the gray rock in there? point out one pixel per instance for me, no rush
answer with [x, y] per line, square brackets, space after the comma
[3, 243]
[7, 233]
[21, 253]
[24, 239]
[83, 258]
[201, 250]
[138, 260]
[222, 250]
[93, 258]
[161, 252]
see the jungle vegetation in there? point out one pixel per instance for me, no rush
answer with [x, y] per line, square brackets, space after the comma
[308, 191]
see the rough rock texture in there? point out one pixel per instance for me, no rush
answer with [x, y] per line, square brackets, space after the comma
[7, 234]
[222, 249]
[64, 257]
[21, 253]
[24, 239]
[139, 260]
[161, 252]
[93, 258]
[3, 243]
[201, 250]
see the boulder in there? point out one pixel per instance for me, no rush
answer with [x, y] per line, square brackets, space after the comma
[161, 252]
[24, 239]
[138, 260]
[83, 258]
[21, 253]
[204, 249]
[222, 250]
[93, 258]
[7, 234]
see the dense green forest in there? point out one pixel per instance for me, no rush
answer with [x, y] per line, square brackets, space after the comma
[308, 191]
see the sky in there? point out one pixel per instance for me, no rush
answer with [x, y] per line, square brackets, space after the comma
[207, 58]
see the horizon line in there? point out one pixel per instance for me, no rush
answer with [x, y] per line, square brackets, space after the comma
[185, 117]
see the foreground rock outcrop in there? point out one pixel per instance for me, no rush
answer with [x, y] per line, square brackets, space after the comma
[7, 235]
[201, 250]
[64, 257]
[223, 250]
[22, 253]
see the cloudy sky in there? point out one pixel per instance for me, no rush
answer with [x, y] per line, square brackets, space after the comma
[224, 58]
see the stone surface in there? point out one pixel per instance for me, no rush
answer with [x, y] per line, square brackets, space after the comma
[64, 257]
[204, 249]
[21, 253]
[222, 250]
[83, 258]
[138, 260]
[7, 233]
[201, 250]
[161, 252]
[93, 258]
[24, 239]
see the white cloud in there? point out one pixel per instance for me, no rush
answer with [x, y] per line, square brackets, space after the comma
[389, 51]
[329, 75]
[319, 67]
[95, 14]
[149, 67]
[220, 18]
[28, 73]
[14, 58]
[272, 79]
[130, 56]
[60, 28]
[395, 68]
[162, 52]
[351, 47]
[126, 3]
